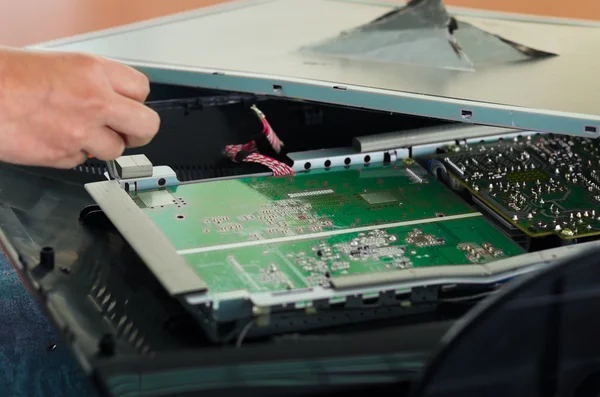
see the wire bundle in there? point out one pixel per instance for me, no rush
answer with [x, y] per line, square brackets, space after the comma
[248, 152]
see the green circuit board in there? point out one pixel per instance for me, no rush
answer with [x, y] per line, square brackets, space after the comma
[541, 184]
[258, 208]
[308, 263]
[275, 234]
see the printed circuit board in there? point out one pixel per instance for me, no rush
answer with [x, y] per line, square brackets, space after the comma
[542, 184]
[298, 264]
[266, 234]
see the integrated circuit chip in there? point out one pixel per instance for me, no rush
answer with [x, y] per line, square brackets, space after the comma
[379, 197]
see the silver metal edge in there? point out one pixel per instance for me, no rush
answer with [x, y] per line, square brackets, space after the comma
[492, 138]
[421, 136]
[446, 108]
[493, 272]
[336, 157]
[430, 148]
[153, 247]
[499, 267]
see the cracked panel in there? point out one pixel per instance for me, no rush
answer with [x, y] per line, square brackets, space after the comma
[423, 33]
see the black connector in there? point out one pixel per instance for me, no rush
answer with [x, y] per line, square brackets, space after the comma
[107, 345]
[241, 156]
[47, 258]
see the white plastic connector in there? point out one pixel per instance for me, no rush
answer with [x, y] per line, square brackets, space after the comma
[135, 166]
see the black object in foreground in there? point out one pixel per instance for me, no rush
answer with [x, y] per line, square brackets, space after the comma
[537, 338]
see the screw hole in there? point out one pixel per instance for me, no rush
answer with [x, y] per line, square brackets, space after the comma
[162, 182]
[327, 163]
[367, 159]
[347, 161]
[307, 165]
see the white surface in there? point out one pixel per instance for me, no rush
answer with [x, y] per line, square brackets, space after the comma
[263, 37]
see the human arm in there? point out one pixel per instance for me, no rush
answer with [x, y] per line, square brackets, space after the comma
[58, 108]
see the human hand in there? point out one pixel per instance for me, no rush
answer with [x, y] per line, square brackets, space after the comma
[56, 109]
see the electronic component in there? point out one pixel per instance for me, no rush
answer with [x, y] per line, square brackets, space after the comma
[237, 211]
[134, 166]
[379, 197]
[417, 237]
[542, 184]
[304, 263]
[269, 242]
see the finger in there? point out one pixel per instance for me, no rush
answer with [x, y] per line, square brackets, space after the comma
[71, 162]
[104, 144]
[127, 81]
[137, 123]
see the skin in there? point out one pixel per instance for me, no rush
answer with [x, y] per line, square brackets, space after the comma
[57, 108]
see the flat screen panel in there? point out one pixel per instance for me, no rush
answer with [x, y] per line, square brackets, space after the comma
[257, 46]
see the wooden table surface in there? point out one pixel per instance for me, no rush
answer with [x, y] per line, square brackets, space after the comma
[24, 22]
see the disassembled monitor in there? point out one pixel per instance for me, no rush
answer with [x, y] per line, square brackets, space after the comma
[354, 231]
[414, 58]
[317, 245]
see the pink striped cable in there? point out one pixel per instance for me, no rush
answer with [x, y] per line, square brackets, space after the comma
[277, 167]
[272, 137]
